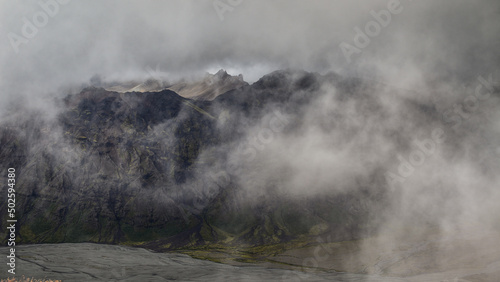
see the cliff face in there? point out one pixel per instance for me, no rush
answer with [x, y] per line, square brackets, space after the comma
[151, 167]
[93, 175]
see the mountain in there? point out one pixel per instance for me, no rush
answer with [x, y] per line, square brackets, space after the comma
[210, 87]
[207, 88]
[164, 171]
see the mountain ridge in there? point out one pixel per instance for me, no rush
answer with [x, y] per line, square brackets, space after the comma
[152, 168]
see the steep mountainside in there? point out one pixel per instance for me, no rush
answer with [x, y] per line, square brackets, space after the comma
[152, 167]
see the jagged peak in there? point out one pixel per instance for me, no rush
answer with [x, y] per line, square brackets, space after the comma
[221, 73]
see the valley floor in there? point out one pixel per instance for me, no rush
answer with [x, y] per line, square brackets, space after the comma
[458, 260]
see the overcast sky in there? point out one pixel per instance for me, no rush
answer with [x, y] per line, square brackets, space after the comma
[423, 41]
[426, 46]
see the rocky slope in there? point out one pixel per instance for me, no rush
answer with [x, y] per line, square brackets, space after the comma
[151, 168]
[125, 167]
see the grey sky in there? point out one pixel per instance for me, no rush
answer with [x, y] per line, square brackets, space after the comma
[426, 41]
[427, 46]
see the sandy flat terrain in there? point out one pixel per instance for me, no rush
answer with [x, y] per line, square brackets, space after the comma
[95, 262]
[461, 259]
[455, 260]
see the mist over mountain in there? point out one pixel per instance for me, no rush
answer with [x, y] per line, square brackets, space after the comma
[206, 88]
[335, 136]
[291, 157]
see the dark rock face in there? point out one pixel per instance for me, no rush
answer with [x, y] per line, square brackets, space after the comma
[127, 168]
